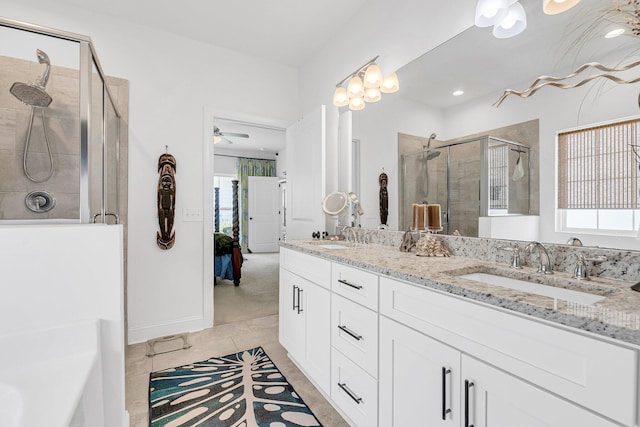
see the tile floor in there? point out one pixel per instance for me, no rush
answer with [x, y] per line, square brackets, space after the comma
[218, 341]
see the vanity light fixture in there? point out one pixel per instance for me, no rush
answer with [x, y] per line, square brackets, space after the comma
[366, 84]
[614, 33]
[513, 23]
[552, 7]
[458, 93]
[491, 12]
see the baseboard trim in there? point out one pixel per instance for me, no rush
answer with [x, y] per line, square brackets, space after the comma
[189, 324]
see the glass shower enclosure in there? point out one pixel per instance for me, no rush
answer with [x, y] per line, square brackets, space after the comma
[484, 176]
[59, 129]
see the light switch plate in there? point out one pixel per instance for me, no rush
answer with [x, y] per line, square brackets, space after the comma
[191, 215]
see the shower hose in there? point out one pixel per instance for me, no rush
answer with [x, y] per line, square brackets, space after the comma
[26, 149]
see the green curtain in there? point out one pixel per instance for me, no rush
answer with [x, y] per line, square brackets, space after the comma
[246, 168]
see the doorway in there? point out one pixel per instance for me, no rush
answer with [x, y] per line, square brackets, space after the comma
[246, 138]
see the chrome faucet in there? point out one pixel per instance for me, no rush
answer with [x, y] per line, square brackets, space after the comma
[581, 270]
[515, 255]
[543, 257]
[346, 230]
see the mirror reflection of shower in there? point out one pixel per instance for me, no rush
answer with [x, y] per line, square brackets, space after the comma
[428, 154]
[34, 95]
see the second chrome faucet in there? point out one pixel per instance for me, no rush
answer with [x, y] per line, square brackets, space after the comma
[543, 257]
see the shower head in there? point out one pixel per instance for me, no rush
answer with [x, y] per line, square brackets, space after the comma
[34, 94]
[431, 137]
[432, 155]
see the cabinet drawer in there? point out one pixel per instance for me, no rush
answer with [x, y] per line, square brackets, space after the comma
[354, 331]
[580, 368]
[354, 391]
[310, 267]
[356, 285]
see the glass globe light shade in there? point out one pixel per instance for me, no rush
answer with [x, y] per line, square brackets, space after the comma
[390, 84]
[490, 12]
[372, 77]
[552, 7]
[513, 24]
[356, 104]
[340, 97]
[355, 89]
[372, 94]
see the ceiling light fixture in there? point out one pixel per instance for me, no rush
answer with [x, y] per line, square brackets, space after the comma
[552, 7]
[366, 84]
[458, 93]
[614, 33]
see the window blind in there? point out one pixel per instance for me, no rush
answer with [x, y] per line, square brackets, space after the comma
[597, 167]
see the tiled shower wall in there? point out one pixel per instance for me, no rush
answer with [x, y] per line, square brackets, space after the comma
[464, 175]
[63, 129]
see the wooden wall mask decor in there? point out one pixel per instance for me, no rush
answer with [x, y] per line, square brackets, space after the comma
[383, 179]
[166, 237]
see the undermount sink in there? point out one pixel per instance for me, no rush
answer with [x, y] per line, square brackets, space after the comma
[534, 288]
[332, 246]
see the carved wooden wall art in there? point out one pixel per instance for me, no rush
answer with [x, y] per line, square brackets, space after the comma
[166, 237]
[383, 179]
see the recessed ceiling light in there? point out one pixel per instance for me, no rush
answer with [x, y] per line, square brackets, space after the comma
[614, 33]
[458, 93]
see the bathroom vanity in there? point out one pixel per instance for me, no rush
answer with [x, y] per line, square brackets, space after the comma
[392, 339]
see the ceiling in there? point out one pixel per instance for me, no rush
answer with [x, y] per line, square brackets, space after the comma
[480, 64]
[262, 139]
[284, 31]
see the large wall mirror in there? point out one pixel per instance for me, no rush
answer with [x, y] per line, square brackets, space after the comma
[455, 139]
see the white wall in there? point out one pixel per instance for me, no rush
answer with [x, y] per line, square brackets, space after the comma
[557, 110]
[172, 80]
[57, 275]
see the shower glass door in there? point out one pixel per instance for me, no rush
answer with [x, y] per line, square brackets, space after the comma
[464, 188]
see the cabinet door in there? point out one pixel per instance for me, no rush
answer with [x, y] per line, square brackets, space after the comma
[316, 308]
[492, 398]
[419, 379]
[291, 327]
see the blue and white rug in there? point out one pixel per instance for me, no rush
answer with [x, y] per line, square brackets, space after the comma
[244, 389]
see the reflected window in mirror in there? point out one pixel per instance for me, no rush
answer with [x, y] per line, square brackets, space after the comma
[599, 179]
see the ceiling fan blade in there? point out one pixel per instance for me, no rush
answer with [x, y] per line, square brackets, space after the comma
[226, 141]
[238, 135]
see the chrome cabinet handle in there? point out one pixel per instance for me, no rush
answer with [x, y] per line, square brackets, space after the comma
[344, 282]
[300, 290]
[353, 334]
[446, 410]
[294, 297]
[351, 394]
[469, 408]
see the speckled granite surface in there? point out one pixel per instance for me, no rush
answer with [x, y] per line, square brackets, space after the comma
[616, 316]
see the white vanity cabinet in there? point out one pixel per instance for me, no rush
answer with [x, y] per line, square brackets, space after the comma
[395, 354]
[354, 341]
[305, 314]
[424, 382]
[539, 360]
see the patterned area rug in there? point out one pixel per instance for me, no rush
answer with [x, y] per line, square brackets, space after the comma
[244, 389]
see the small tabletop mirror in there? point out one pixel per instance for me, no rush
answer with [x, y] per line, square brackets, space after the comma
[335, 203]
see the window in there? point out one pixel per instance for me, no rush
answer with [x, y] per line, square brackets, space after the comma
[226, 202]
[498, 157]
[598, 179]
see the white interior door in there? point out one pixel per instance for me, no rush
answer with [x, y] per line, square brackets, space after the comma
[306, 175]
[264, 213]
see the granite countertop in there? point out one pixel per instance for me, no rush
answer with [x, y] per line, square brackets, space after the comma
[617, 316]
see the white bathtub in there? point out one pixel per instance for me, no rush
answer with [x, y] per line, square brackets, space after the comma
[52, 376]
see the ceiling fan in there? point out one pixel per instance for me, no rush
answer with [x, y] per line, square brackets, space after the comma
[221, 136]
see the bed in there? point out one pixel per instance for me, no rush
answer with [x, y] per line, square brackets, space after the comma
[227, 262]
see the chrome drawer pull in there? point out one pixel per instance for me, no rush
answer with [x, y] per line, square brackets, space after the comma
[446, 410]
[353, 334]
[469, 407]
[351, 394]
[344, 282]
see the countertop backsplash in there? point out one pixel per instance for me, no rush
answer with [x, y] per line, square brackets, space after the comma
[620, 264]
